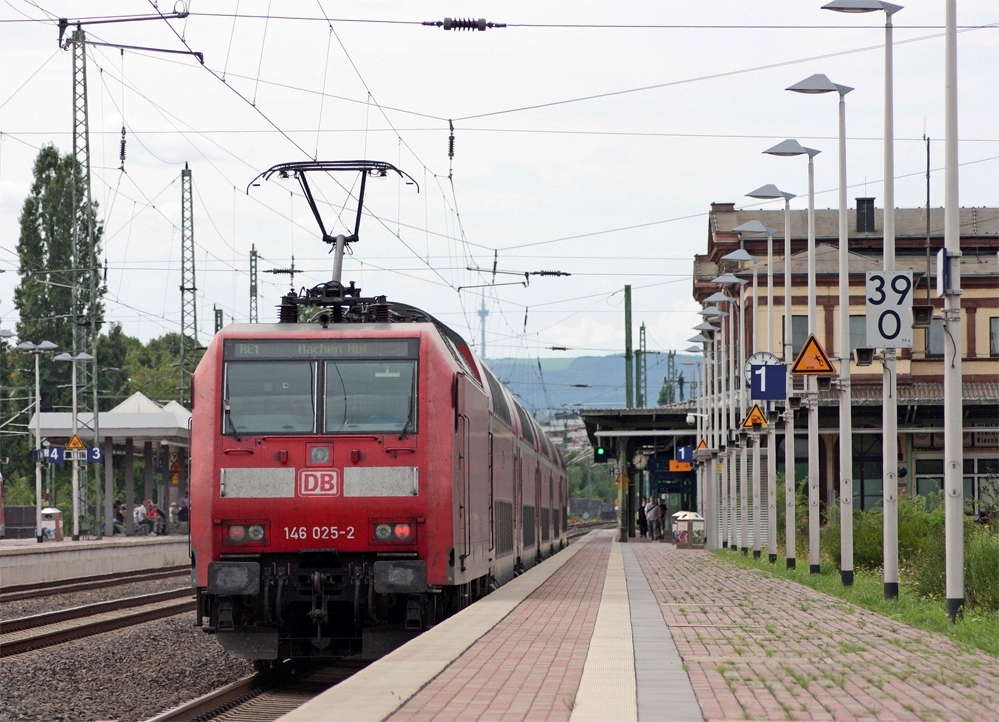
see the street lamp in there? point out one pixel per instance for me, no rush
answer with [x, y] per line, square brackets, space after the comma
[771, 191]
[889, 399]
[37, 351]
[791, 148]
[814, 85]
[729, 353]
[76, 462]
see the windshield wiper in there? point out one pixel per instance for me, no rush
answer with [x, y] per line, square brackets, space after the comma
[228, 417]
[409, 416]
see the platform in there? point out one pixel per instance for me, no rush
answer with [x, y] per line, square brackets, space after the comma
[25, 561]
[643, 631]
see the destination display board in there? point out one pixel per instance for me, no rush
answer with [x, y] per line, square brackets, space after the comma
[315, 349]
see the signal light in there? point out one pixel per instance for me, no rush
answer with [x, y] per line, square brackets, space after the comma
[254, 533]
[600, 455]
[393, 532]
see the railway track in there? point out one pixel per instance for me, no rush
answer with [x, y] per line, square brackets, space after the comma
[82, 584]
[263, 697]
[45, 630]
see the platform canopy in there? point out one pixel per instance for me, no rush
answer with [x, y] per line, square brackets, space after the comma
[138, 418]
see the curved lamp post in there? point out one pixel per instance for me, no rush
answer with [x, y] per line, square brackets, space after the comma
[771, 191]
[792, 148]
[37, 351]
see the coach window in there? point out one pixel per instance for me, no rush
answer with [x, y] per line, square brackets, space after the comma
[370, 396]
[269, 397]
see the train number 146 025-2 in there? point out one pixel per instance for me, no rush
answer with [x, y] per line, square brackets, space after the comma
[318, 532]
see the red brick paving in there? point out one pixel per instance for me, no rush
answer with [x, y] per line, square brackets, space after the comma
[528, 667]
[763, 648]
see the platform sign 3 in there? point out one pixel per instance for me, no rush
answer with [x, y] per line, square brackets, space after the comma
[889, 306]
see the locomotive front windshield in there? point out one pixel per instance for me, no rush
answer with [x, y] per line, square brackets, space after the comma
[340, 387]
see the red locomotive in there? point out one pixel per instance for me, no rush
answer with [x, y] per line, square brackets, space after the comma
[357, 475]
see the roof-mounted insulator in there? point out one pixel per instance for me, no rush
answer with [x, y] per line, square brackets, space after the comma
[463, 24]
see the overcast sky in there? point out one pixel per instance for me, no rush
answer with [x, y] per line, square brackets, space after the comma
[613, 189]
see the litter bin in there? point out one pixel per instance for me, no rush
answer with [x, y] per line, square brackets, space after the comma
[52, 523]
[688, 530]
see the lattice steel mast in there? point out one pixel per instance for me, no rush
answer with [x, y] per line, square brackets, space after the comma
[253, 284]
[188, 287]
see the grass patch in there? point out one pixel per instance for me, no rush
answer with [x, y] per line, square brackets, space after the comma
[979, 629]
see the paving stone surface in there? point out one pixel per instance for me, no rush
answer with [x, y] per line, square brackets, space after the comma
[529, 666]
[761, 648]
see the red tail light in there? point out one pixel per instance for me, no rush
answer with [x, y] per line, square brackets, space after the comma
[392, 532]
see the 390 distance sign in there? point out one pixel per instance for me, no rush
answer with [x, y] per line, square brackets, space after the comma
[889, 306]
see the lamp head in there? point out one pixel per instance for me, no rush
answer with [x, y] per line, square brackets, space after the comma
[753, 226]
[818, 83]
[63, 357]
[770, 191]
[693, 349]
[791, 147]
[861, 6]
[727, 278]
[718, 297]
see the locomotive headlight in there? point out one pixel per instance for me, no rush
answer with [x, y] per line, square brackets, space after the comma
[393, 532]
[237, 532]
[383, 532]
[319, 454]
[255, 532]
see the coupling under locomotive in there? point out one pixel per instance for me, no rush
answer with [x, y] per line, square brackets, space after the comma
[357, 475]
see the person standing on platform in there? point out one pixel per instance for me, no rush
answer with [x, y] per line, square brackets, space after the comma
[652, 513]
[643, 521]
[184, 507]
[663, 519]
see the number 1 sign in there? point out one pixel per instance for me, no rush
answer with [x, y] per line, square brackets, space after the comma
[889, 306]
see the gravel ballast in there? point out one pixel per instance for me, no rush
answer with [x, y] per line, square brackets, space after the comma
[127, 675]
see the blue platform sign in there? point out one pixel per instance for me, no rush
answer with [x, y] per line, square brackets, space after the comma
[685, 453]
[768, 382]
[51, 454]
[94, 455]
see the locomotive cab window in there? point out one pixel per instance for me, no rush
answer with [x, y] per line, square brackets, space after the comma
[270, 397]
[370, 396]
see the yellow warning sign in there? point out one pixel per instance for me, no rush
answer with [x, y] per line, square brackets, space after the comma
[702, 445]
[755, 416]
[75, 444]
[812, 359]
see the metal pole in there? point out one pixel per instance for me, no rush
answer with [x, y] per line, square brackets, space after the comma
[756, 495]
[789, 481]
[889, 397]
[716, 490]
[740, 375]
[38, 452]
[772, 426]
[724, 446]
[76, 466]
[733, 425]
[813, 392]
[845, 399]
[953, 403]
[628, 369]
[108, 486]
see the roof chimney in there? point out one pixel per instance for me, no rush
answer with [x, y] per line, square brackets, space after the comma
[865, 215]
[721, 207]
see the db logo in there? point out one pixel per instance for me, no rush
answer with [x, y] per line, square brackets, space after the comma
[314, 483]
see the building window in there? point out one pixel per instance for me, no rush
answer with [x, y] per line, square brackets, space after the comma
[799, 333]
[858, 332]
[935, 338]
[994, 336]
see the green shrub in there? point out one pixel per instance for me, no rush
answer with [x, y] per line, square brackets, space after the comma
[981, 567]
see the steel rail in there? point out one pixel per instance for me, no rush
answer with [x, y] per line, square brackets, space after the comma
[60, 636]
[82, 584]
[40, 620]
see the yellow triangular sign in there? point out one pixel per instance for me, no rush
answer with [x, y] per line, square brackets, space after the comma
[755, 416]
[75, 444]
[812, 359]
[702, 445]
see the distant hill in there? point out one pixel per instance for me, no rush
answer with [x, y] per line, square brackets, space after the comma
[551, 384]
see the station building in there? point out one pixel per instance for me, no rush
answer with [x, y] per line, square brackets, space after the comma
[654, 432]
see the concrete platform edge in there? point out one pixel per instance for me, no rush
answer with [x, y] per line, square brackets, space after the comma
[377, 691]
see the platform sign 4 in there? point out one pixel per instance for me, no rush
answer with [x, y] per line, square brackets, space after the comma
[889, 306]
[768, 382]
